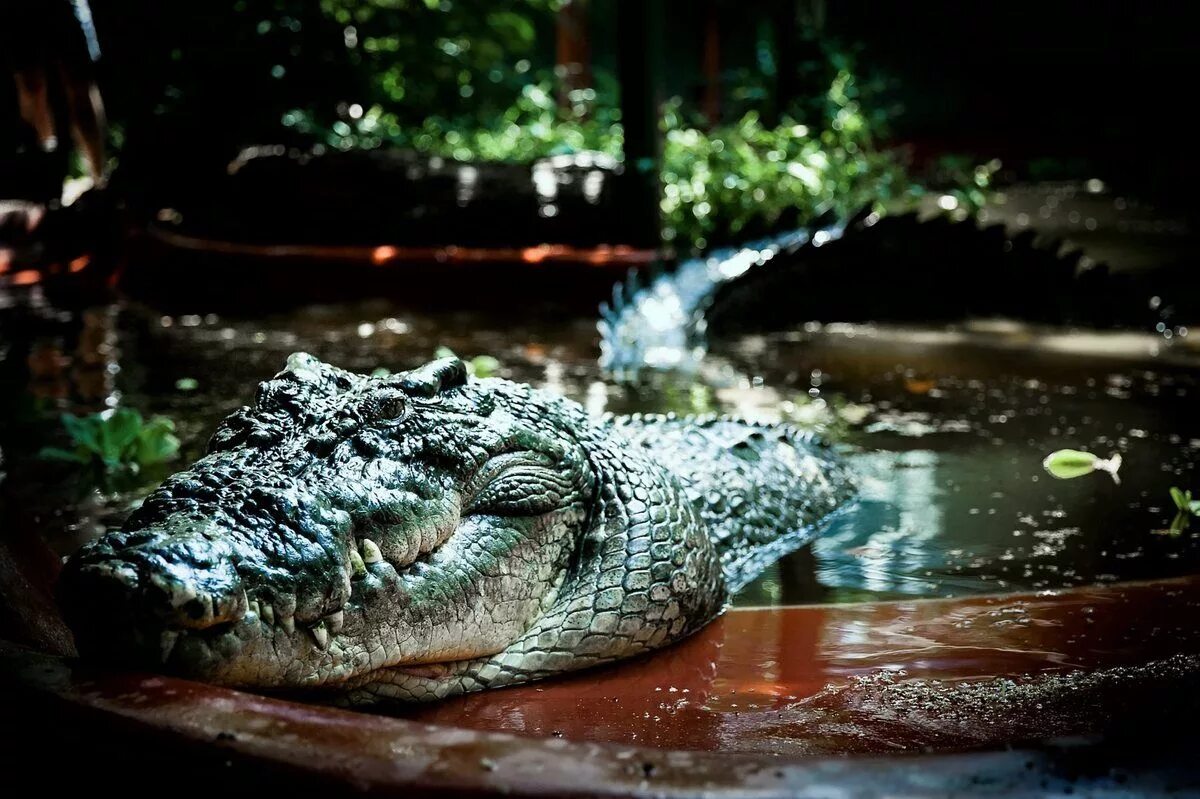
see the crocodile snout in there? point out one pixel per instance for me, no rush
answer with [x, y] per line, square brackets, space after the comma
[142, 596]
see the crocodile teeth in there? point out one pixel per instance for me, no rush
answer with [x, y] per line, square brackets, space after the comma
[370, 551]
[356, 563]
[288, 623]
[268, 612]
[320, 634]
[253, 607]
[335, 621]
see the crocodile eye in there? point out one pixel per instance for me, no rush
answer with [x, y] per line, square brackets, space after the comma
[388, 405]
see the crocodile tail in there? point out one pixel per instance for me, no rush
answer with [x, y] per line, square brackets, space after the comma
[899, 268]
[657, 320]
[904, 268]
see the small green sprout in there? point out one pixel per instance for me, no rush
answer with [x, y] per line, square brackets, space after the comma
[116, 440]
[1186, 508]
[1183, 500]
[1067, 464]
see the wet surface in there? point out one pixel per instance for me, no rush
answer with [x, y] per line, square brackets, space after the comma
[947, 428]
[886, 635]
[167, 727]
[875, 677]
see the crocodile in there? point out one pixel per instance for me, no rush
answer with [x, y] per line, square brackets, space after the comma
[424, 534]
[877, 268]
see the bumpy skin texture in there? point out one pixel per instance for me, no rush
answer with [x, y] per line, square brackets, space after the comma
[421, 535]
[894, 269]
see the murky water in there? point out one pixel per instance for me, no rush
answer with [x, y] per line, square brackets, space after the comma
[947, 430]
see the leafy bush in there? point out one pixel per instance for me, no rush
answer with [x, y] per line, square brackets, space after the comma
[461, 79]
[735, 181]
[720, 184]
[116, 440]
[465, 58]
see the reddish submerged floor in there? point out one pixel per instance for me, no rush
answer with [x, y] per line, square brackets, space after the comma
[745, 704]
[874, 677]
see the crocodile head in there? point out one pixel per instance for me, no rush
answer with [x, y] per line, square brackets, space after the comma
[343, 524]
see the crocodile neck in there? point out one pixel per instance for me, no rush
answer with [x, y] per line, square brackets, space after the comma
[661, 552]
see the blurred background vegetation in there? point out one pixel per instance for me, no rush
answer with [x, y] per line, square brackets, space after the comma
[474, 80]
[773, 112]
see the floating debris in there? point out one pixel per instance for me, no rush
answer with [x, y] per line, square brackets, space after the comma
[1067, 464]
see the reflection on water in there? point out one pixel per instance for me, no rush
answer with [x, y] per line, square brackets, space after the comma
[901, 502]
[949, 448]
[946, 432]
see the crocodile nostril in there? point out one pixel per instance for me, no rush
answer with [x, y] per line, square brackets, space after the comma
[196, 597]
[171, 576]
[113, 593]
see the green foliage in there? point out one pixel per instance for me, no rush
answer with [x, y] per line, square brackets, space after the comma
[1186, 508]
[459, 59]
[739, 180]
[116, 441]
[1184, 502]
[531, 127]
[214, 76]
[967, 182]
[834, 416]
[684, 399]
[719, 184]
[461, 79]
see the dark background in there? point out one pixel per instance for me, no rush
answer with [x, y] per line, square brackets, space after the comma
[1055, 89]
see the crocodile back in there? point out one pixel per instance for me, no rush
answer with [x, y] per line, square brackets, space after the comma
[761, 490]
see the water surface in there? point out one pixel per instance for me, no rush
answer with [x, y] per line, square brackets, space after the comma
[945, 428]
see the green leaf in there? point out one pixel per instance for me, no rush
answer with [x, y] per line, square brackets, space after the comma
[1180, 498]
[444, 352]
[1066, 464]
[122, 429]
[117, 441]
[84, 431]
[483, 366]
[57, 454]
[156, 442]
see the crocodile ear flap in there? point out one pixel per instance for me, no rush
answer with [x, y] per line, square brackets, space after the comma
[433, 378]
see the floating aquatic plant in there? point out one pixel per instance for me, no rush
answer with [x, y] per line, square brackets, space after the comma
[1067, 464]
[116, 440]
